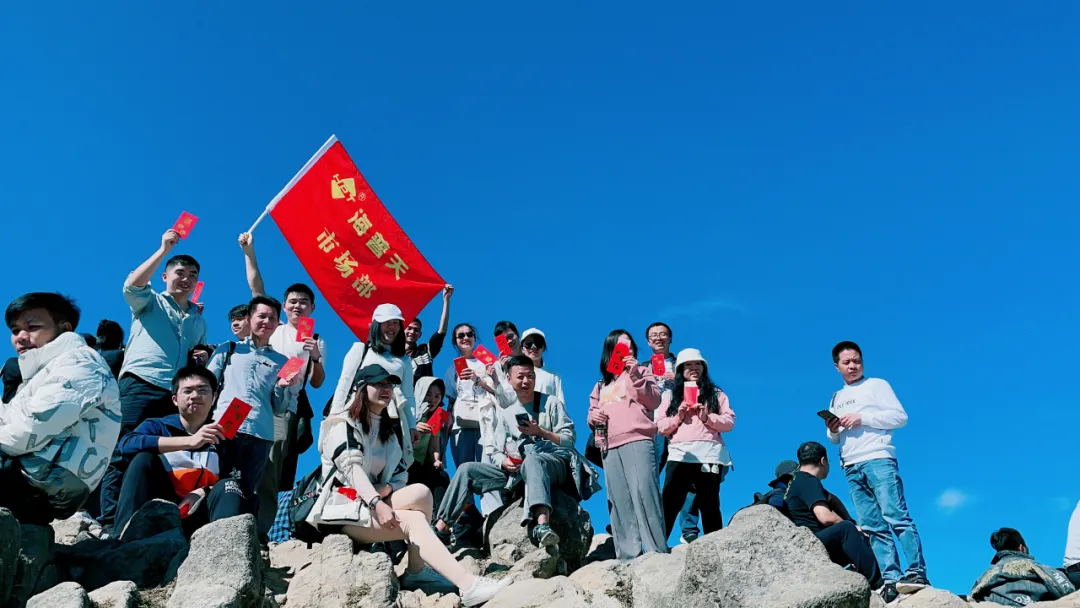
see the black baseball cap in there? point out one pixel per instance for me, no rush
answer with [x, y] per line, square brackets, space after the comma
[373, 374]
[786, 468]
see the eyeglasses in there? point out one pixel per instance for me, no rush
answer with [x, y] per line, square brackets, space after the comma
[531, 345]
[202, 392]
[383, 384]
[465, 334]
[659, 336]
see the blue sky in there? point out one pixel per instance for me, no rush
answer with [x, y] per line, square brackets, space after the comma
[768, 179]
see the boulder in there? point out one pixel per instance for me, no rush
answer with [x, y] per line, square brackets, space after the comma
[10, 541]
[1069, 601]
[763, 560]
[602, 549]
[121, 594]
[558, 592]
[415, 599]
[64, 595]
[223, 555]
[541, 563]
[66, 531]
[654, 578]
[569, 520]
[35, 553]
[153, 518]
[608, 579]
[338, 578]
[293, 555]
[939, 598]
[143, 562]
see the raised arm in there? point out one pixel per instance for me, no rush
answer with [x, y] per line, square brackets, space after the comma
[444, 320]
[251, 266]
[140, 277]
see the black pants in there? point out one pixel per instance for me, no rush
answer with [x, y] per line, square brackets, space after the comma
[682, 477]
[28, 504]
[847, 545]
[1073, 572]
[139, 400]
[436, 481]
[146, 479]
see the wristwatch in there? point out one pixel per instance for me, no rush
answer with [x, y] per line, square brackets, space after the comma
[374, 501]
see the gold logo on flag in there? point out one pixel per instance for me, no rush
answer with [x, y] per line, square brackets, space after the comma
[343, 188]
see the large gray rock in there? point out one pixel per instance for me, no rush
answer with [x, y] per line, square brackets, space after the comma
[10, 541]
[293, 555]
[416, 599]
[558, 592]
[1069, 601]
[606, 582]
[64, 595]
[35, 553]
[223, 554]
[654, 578]
[143, 562]
[939, 598]
[338, 578]
[153, 518]
[121, 594]
[763, 560]
[66, 531]
[541, 563]
[569, 520]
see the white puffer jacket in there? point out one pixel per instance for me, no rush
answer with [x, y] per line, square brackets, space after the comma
[63, 423]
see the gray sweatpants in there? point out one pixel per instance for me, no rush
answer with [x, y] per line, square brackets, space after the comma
[637, 515]
[539, 472]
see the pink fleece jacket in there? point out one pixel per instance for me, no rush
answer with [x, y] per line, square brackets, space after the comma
[692, 428]
[629, 404]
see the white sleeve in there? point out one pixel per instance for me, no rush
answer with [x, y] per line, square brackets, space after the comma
[407, 389]
[887, 413]
[348, 371]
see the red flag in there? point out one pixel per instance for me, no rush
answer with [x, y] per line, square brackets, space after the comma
[354, 250]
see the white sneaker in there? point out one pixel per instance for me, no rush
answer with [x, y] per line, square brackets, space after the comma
[482, 590]
[425, 578]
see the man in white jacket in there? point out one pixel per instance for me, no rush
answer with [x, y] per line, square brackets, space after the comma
[867, 411]
[58, 433]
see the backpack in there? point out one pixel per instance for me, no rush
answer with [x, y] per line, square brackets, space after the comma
[306, 494]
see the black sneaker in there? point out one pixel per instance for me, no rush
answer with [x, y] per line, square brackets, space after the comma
[912, 583]
[444, 537]
[887, 593]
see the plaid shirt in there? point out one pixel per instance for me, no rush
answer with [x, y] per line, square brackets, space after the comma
[282, 530]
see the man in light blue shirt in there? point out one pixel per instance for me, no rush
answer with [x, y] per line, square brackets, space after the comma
[248, 371]
[164, 328]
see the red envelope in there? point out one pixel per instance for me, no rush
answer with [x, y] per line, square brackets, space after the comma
[616, 365]
[233, 417]
[305, 328]
[461, 364]
[690, 394]
[184, 225]
[292, 366]
[659, 367]
[198, 292]
[504, 346]
[437, 420]
[484, 355]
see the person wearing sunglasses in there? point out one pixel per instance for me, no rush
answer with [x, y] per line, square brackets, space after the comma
[533, 346]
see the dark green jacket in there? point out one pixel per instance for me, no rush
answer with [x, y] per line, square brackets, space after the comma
[1016, 579]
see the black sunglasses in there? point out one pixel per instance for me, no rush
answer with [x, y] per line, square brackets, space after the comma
[465, 334]
[531, 344]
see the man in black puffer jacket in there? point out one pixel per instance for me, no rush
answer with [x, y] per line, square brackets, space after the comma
[1015, 578]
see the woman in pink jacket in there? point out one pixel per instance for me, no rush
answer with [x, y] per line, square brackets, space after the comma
[624, 404]
[697, 456]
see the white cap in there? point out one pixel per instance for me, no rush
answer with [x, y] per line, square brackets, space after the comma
[690, 354]
[386, 312]
[532, 331]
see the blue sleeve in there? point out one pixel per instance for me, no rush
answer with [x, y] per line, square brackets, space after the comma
[143, 439]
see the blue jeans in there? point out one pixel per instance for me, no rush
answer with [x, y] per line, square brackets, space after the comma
[878, 494]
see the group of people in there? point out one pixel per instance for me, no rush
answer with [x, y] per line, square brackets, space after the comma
[94, 424]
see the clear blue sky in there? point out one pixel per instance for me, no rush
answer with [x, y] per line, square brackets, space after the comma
[769, 180]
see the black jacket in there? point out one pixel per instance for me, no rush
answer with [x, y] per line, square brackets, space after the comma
[1016, 579]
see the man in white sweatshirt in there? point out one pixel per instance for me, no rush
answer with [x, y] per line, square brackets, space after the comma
[867, 411]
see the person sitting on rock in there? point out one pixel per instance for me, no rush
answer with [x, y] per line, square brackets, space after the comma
[362, 448]
[60, 428]
[533, 445]
[807, 505]
[782, 477]
[182, 459]
[429, 465]
[1015, 578]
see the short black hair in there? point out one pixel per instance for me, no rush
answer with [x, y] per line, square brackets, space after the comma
[61, 308]
[90, 339]
[265, 301]
[502, 326]
[183, 260]
[841, 347]
[192, 371]
[518, 360]
[240, 311]
[811, 452]
[670, 333]
[417, 321]
[300, 288]
[110, 335]
[1006, 539]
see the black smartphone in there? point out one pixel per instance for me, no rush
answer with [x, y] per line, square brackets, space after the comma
[826, 415]
[523, 419]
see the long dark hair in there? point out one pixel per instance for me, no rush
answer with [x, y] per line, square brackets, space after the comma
[706, 390]
[375, 340]
[358, 412]
[605, 355]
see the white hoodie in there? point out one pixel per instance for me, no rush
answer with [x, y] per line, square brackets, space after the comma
[874, 400]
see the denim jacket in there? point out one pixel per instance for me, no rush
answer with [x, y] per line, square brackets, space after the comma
[1015, 579]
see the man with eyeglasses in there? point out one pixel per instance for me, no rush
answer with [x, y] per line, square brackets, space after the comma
[181, 459]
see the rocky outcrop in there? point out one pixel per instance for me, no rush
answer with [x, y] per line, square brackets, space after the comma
[223, 567]
[339, 578]
[507, 538]
[121, 594]
[64, 595]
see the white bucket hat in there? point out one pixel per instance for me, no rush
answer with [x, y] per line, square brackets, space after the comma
[690, 354]
[386, 312]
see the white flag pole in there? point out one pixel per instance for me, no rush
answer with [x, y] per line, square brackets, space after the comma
[292, 182]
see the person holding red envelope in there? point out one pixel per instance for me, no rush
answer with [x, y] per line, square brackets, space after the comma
[695, 416]
[433, 423]
[621, 407]
[182, 459]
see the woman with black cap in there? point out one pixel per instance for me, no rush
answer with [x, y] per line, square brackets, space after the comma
[362, 450]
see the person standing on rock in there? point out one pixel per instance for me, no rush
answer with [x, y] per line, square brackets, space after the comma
[866, 412]
[363, 448]
[626, 404]
[58, 432]
[697, 456]
[807, 503]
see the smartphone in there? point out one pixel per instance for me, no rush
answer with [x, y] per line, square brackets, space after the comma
[523, 419]
[826, 415]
